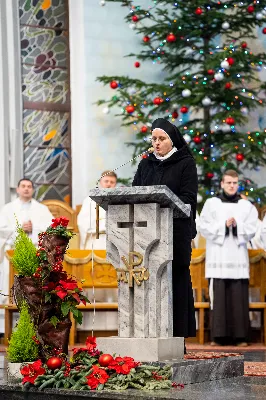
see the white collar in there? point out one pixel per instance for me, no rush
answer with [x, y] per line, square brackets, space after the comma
[161, 158]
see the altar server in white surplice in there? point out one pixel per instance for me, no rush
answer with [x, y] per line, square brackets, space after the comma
[87, 232]
[87, 217]
[263, 232]
[32, 216]
[228, 223]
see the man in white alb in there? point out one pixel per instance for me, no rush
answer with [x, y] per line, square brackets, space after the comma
[87, 231]
[32, 216]
[228, 223]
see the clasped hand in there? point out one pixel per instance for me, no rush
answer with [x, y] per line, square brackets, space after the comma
[231, 222]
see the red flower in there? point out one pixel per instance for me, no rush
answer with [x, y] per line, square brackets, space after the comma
[91, 343]
[63, 221]
[123, 365]
[66, 285]
[97, 376]
[50, 286]
[31, 371]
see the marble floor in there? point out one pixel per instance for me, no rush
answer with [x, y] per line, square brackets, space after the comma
[247, 387]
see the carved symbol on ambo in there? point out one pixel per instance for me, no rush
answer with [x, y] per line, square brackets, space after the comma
[131, 273]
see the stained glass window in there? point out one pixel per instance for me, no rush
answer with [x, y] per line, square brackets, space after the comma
[46, 97]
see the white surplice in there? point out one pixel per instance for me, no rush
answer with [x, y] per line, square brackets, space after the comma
[33, 211]
[263, 232]
[87, 226]
[104, 320]
[256, 242]
[227, 256]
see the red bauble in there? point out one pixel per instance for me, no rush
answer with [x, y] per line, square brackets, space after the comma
[209, 175]
[240, 157]
[264, 31]
[230, 121]
[244, 45]
[174, 114]
[227, 85]
[130, 109]
[137, 64]
[145, 156]
[198, 11]
[157, 100]
[184, 109]
[171, 38]
[54, 363]
[250, 9]
[105, 359]
[210, 72]
[36, 275]
[135, 18]
[230, 60]
[197, 140]
[144, 129]
[146, 39]
[113, 84]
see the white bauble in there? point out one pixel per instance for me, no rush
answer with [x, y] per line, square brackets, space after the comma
[106, 110]
[218, 76]
[187, 138]
[225, 25]
[149, 124]
[259, 15]
[244, 110]
[102, 3]
[199, 198]
[131, 91]
[225, 128]
[225, 64]
[174, 107]
[186, 93]
[206, 101]
[132, 26]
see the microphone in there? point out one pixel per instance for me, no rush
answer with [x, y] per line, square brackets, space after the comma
[150, 150]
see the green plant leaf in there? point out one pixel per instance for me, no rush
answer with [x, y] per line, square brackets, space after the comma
[65, 307]
[54, 320]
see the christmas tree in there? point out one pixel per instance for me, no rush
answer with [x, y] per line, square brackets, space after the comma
[209, 89]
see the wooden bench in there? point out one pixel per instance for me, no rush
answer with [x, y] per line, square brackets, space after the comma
[93, 272]
[200, 286]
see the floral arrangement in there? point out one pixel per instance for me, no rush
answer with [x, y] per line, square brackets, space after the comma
[47, 289]
[90, 369]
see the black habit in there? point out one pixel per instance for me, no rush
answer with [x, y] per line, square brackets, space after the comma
[230, 314]
[179, 173]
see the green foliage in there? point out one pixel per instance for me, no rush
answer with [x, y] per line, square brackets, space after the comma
[140, 377]
[201, 44]
[25, 261]
[21, 347]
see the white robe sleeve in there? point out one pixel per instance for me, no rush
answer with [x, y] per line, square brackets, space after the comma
[263, 232]
[210, 227]
[86, 220]
[246, 228]
[7, 229]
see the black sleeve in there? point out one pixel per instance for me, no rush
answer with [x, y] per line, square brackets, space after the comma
[137, 178]
[189, 185]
